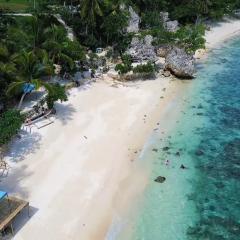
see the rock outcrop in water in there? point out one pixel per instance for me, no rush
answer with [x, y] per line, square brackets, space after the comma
[142, 49]
[180, 63]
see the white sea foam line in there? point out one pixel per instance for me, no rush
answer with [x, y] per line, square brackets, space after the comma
[118, 224]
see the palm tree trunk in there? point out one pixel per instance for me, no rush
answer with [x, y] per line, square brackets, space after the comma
[21, 100]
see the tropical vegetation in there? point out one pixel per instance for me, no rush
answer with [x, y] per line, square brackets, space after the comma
[33, 47]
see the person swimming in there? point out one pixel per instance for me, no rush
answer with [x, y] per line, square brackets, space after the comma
[167, 162]
[183, 167]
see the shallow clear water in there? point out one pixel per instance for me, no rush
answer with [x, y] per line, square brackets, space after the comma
[203, 201]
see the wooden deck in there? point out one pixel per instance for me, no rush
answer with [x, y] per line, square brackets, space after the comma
[9, 208]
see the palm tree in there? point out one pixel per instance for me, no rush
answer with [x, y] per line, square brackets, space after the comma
[31, 68]
[7, 71]
[55, 45]
[90, 9]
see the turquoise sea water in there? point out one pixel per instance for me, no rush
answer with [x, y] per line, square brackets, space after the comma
[203, 201]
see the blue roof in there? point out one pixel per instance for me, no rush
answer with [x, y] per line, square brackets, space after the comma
[2, 195]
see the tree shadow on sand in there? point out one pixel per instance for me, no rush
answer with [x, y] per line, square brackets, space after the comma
[27, 143]
[12, 184]
[64, 112]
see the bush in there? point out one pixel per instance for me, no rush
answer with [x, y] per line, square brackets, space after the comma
[57, 93]
[127, 59]
[10, 123]
[151, 19]
[191, 37]
[122, 68]
[145, 68]
[126, 66]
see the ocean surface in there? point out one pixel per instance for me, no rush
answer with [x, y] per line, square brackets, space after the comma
[201, 201]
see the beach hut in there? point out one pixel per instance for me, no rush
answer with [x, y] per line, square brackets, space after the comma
[10, 207]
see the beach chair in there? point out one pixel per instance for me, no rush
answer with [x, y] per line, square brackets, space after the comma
[38, 118]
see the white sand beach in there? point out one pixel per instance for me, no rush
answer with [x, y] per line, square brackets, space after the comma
[222, 31]
[82, 170]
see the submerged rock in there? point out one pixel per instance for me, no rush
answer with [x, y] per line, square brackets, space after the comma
[180, 63]
[199, 152]
[165, 148]
[160, 179]
[178, 154]
[183, 167]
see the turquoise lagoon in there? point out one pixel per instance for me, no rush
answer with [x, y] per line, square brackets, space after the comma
[201, 202]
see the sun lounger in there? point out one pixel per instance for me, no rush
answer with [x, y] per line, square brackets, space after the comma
[37, 118]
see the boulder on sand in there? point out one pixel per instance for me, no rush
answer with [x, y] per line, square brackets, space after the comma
[180, 63]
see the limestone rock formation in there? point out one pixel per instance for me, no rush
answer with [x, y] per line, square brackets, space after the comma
[142, 49]
[163, 50]
[134, 21]
[170, 26]
[180, 63]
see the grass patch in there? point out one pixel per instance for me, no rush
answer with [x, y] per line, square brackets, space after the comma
[15, 5]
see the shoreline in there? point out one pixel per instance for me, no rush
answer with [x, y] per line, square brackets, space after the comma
[222, 31]
[219, 33]
[85, 163]
[113, 120]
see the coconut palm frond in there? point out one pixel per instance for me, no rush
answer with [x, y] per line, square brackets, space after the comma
[15, 87]
[63, 57]
[48, 87]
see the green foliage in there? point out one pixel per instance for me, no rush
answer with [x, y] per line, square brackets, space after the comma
[193, 10]
[126, 66]
[144, 68]
[127, 59]
[151, 19]
[14, 5]
[114, 24]
[161, 36]
[10, 123]
[58, 93]
[122, 69]
[191, 37]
